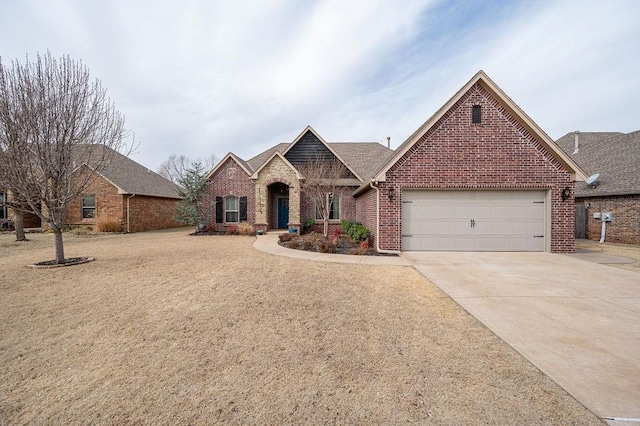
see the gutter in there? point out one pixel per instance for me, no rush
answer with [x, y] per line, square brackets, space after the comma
[371, 184]
[128, 221]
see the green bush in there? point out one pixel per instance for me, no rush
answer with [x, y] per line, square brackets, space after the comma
[356, 230]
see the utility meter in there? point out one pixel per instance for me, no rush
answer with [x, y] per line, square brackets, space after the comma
[607, 217]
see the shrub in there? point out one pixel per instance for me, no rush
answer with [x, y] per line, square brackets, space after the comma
[308, 244]
[326, 246]
[232, 230]
[347, 224]
[309, 223]
[356, 230]
[245, 228]
[293, 244]
[108, 225]
[283, 238]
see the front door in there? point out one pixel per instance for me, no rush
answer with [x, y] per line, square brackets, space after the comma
[283, 212]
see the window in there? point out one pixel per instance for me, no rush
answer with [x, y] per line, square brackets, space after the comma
[89, 207]
[476, 114]
[3, 208]
[231, 210]
[333, 207]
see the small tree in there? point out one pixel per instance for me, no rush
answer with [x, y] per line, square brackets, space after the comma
[321, 179]
[195, 205]
[175, 167]
[53, 120]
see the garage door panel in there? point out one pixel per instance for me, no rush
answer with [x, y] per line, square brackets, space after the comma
[473, 220]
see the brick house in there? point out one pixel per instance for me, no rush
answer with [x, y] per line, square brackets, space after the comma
[479, 175]
[615, 157]
[125, 191]
[265, 190]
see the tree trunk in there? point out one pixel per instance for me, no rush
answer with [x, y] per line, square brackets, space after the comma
[326, 225]
[57, 232]
[18, 217]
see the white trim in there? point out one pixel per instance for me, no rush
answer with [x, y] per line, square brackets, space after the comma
[232, 156]
[276, 154]
[321, 139]
[577, 174]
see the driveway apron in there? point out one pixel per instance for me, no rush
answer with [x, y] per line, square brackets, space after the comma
[577, 321]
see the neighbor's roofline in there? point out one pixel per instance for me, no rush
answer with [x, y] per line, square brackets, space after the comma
[577, 174]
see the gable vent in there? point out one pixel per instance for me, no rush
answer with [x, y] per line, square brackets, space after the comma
[476, 114]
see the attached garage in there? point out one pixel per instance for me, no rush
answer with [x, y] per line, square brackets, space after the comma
[476, 220]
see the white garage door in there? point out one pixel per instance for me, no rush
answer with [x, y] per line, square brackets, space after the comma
[473, 220]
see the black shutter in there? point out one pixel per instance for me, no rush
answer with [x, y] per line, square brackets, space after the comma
[243, 209]
[218, 209]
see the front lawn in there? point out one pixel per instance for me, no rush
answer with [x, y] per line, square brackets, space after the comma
[167, 328]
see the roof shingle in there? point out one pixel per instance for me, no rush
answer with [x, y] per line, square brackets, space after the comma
[615, 156]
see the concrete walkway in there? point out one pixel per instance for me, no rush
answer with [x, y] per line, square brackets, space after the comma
[575, 319]
[269, 243]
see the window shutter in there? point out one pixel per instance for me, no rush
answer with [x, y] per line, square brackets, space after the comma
[243, 209]
[218, 209]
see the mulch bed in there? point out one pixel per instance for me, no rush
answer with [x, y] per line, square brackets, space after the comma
[338, 244]
[67, 262]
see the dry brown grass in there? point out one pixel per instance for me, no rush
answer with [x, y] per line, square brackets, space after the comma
[166, 328]
[108, 225]
[624, 250]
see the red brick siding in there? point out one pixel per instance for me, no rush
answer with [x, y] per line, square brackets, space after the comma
[149, 213]
[231, 179]
[145, 213]
[109, 204]
[366, 211]
[625, 226]
[499, 154]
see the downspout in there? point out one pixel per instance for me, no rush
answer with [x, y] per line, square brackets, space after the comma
[128, 221]
[378, 222]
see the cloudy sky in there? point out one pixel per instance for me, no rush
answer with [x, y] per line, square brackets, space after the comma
[203, 77]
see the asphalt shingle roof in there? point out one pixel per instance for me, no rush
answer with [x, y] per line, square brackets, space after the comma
[363, 157]
[133, 178]
[615, 156]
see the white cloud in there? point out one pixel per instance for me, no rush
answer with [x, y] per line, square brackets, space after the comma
[199, 78]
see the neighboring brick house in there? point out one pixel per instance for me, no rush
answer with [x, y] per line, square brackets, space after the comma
[266, 190]
[125, 191]
[616, 158]
[128, 192]
[479, 175]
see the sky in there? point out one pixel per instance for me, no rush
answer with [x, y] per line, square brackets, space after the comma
[201, 78]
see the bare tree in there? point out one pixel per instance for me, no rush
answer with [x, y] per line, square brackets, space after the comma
[321, 179]
[54, 120]
[175, 167]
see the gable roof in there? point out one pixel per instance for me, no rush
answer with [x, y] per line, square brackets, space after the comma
[615, 156]
[243, 164]
[482, 79]
[361, 158]
[281, 156]
[310, 129]
[130, 177]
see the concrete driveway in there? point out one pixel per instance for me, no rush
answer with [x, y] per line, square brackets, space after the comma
[577, 321]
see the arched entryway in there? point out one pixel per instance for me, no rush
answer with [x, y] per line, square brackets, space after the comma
[278, 202]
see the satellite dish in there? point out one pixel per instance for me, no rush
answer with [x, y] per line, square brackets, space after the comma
[591, 180]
